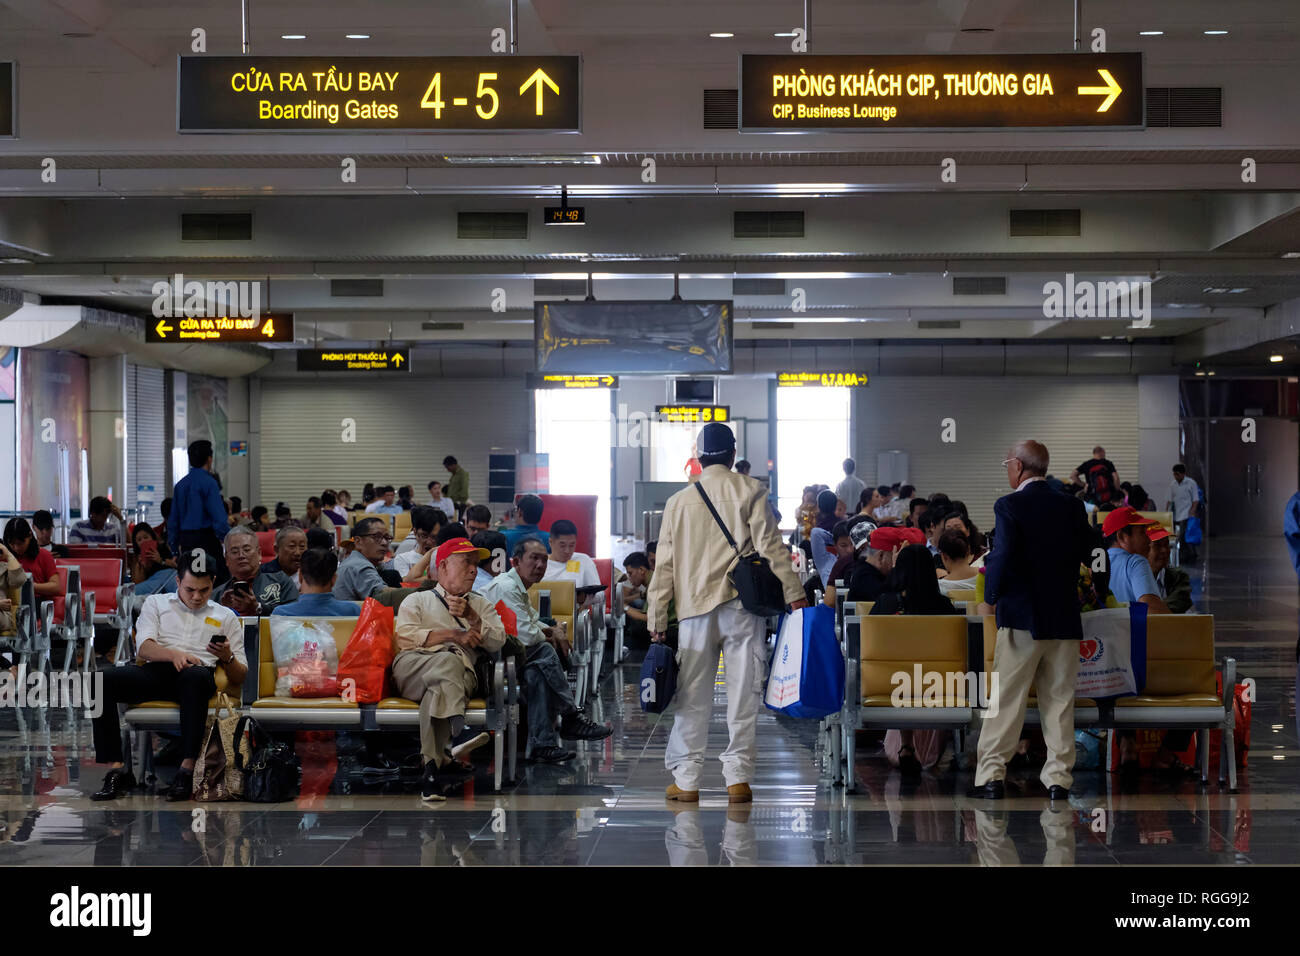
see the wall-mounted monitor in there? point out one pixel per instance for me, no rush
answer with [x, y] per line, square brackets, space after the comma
[703, 391]
[634, 337]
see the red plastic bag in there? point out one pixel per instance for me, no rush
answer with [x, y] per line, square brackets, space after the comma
[369, 653]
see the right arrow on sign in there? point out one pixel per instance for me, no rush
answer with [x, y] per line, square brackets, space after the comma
[1110, 90]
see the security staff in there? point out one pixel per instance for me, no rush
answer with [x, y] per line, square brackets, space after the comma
[693, 558]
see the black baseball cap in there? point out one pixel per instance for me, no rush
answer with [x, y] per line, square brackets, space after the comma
[715, 439]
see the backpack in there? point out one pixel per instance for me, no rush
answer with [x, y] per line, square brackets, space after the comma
[1099, 486]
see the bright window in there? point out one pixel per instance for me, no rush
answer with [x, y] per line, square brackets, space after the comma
[573, 428]
[812, 441]
[673, 446]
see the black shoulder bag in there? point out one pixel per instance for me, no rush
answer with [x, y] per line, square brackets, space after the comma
[755, 582]
[271, 774]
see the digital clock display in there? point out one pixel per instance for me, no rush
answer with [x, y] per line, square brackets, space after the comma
[565, 215]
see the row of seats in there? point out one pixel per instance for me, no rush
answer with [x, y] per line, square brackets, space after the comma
[1180, 688]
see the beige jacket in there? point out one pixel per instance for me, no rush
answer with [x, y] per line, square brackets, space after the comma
[693, 558]
[422, 612]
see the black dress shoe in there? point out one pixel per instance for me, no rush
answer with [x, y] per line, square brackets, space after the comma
[117, 783]
[182, 787]
[993, 790]
[1055, 793]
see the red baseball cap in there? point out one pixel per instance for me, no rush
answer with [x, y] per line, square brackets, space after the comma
[887, 539]
[1123, 518]
[1159, 533]
[459, 546]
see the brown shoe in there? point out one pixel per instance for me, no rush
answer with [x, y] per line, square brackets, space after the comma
[675, 792]
[739, 793]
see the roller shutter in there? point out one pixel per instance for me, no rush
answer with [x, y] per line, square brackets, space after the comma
[403, 430]
[146, 458]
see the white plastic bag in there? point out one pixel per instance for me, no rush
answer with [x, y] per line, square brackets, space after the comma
[306, 657]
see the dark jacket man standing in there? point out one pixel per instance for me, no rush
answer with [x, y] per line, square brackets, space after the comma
[1031, 580]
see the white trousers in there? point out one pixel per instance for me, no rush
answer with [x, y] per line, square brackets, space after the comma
[738, 635]
[1051, 666]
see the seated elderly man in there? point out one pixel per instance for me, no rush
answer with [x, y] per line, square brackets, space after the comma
[1175, 584]
[870, 575]
[290, 543]
[440, 635]
[181, 638]
[546, 687]
[358, 576]
[250, 590]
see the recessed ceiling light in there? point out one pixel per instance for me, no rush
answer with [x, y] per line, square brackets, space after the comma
[358, 36]
[1291, 255]
[293, 36]
[1216, 33]
[1275, 358]
[1151, 33]
[1209, 373]
[722, 36]
[1214, 290]
[581, 159]
[789, 34]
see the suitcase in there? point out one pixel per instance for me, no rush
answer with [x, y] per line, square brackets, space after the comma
[658, 678]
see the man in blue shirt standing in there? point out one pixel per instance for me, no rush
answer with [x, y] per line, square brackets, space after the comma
[1131, 577]
[198, 517]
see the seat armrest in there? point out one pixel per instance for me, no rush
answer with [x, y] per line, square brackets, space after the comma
[252, 654]
[1229, 691]
[125, 595]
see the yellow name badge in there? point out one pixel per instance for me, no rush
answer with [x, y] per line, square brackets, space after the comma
[573, 566]
[212, 622]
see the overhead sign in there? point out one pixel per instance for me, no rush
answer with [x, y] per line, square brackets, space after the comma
[452, 94]
[8, 99]
[821, 379]
[354, 360]
[259, 328]
[805, 93]
[693, 414]
[572, 381]
[564, 215]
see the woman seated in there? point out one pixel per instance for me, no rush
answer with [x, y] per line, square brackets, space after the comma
[914, 590]
[153, 569]
[957, 572]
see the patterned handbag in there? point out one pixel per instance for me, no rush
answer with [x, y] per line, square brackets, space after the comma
[216, 777]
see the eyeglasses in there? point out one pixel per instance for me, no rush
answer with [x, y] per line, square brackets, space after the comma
[1007, 461]
[382, 538]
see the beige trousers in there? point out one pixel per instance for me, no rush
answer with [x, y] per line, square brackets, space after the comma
[1051, 666]
[442, 685]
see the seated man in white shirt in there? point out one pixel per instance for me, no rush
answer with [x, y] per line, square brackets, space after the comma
[569, 564]
[426, 522]
[181, 639]
[385, 505]
[436, 500]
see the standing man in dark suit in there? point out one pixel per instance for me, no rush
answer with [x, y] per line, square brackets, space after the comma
[1031, 584]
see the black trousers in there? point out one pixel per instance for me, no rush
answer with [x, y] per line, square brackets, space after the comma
[192, 688]
[207, 540]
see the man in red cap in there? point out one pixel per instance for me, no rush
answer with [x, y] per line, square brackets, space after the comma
[1175, 583]
[439, 636]
[1131, 577]
[871, 575]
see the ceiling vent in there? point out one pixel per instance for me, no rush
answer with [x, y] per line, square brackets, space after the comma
[216, 226]
[768, 224]
[721, 109]
[938, 324]
[1184, 106]
[356, 288]
[749, 286]
[442, 326]
[492, 225]
[975, 285]
[1046, 222]
[560, 288]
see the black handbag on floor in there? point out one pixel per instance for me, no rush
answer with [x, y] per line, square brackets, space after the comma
[756, 584]
[271, 774]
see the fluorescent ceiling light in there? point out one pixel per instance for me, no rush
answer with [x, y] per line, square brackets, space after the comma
[722, 36]
[1238, 291]
[293, 36]
[1209, 373]
[358, 36]
[1216, 33]
[1200, 374]
[588, 159]
[1291, 255]
[1151, 33]
[1275, 359]
[790, 34]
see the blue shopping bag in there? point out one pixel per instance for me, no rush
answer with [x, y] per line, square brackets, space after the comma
[806, 677]
[1193, 533]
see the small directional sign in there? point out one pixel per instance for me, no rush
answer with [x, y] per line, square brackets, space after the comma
[821, 379]
[354, 360]
[572, 381]
[235, 328]
[693, 414]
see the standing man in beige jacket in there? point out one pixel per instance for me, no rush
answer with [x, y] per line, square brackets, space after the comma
[694, 559]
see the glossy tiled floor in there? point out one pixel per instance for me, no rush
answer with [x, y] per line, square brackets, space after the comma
[606, 807]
